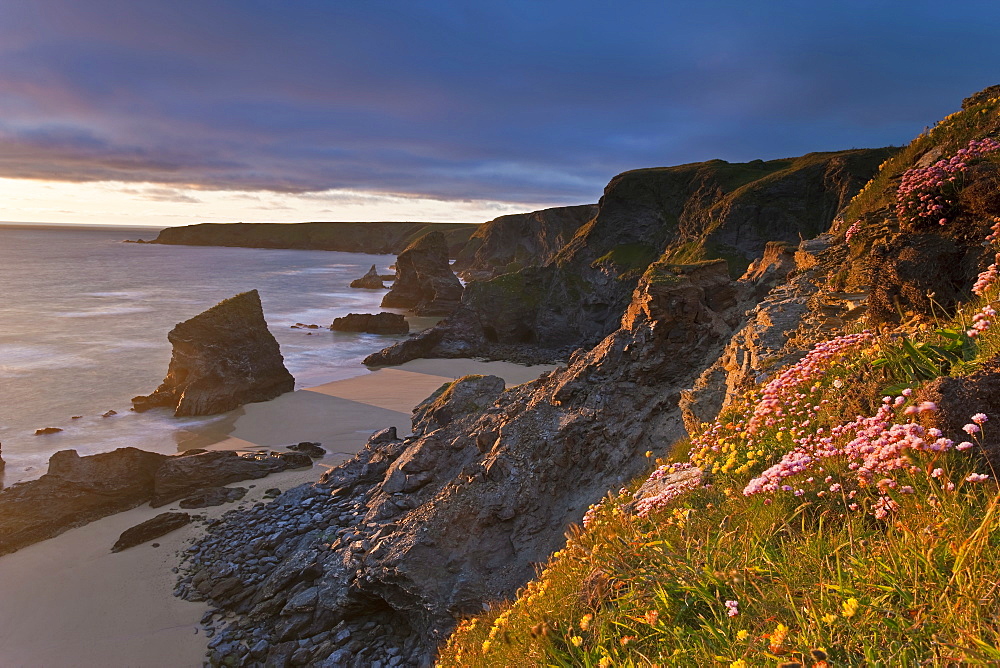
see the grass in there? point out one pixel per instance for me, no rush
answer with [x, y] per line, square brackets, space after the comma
[808, 574]
[820, 578]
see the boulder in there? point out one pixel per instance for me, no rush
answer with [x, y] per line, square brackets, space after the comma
[160, 525]
[958, 399]
[370, 281]
[222, 358]
[311, 449]
[178, 477]
[213, 496]
[76, 490]
[425, 282]
[47, 430]
[378, 323]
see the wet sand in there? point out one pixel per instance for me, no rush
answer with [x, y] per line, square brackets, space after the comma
[68, 601]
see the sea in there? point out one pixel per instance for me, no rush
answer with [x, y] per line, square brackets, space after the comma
[84, 320]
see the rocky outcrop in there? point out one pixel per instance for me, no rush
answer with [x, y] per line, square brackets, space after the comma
[513, 242]
[158, 526]
[958, 399]
[373, 238]
[76, 490]
[685, 213]
[178, 477]
[370, 281]
[222, 358]
[382, 556]
[425, 283]
[378, 323]
[212, 496]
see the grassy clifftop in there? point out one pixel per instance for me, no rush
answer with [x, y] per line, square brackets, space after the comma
[844, 511]
[376, 238]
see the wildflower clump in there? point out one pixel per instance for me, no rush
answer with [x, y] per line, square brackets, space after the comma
[927, 195]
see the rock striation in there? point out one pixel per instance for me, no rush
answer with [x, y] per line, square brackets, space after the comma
[222, 358]
[377, 323]
[370, 281]
[425, 283]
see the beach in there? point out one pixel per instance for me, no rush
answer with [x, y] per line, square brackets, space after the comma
[70, 601]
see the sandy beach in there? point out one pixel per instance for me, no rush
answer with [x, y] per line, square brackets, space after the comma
[69, 601]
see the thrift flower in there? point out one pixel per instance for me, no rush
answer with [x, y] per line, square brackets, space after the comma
[732, 608]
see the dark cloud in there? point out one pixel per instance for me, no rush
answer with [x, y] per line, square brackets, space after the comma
[514, 101]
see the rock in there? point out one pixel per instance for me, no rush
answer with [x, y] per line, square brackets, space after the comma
[108, 414]
[312, 449]
[379, 323]
[47, 430]
[463, 338]
[271, 493]
[178, 477]
[2, 462]
[213, 496]
[222, 359]
[425, 282]
[158, 526]
[76, 490]
[513, 242]
[958, 399]
[370, 281]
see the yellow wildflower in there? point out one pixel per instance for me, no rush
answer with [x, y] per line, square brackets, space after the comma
[738, 663]
[576, 640]
[742, 634]
[849, 607]
[828, 618]
[585, 622]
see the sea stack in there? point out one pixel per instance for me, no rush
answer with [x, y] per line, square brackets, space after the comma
[425, 283]
[222, 358]
[370, 281]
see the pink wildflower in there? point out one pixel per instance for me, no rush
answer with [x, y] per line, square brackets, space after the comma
[980, 418]
[977, 477]
[732, 608]
[971, 429]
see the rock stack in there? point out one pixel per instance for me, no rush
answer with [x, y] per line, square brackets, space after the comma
[370, 281]
[425, 282]
[222, 358]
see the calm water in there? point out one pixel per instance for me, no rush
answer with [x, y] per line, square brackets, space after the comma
[84, 320]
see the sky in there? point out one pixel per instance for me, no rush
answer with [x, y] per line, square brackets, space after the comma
[173, 112]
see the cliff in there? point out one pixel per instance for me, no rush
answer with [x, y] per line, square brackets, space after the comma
[375, 238]
[701, 211]
[510, 243]
[879, 531]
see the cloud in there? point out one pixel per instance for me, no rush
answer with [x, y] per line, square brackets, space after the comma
[518, 101]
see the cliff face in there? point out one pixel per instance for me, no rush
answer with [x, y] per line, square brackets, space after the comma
[222, 358]
[510, 243]
[686, 213]
[375, 238]
[420, 530]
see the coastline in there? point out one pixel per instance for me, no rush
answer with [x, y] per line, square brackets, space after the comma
[69, 601]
